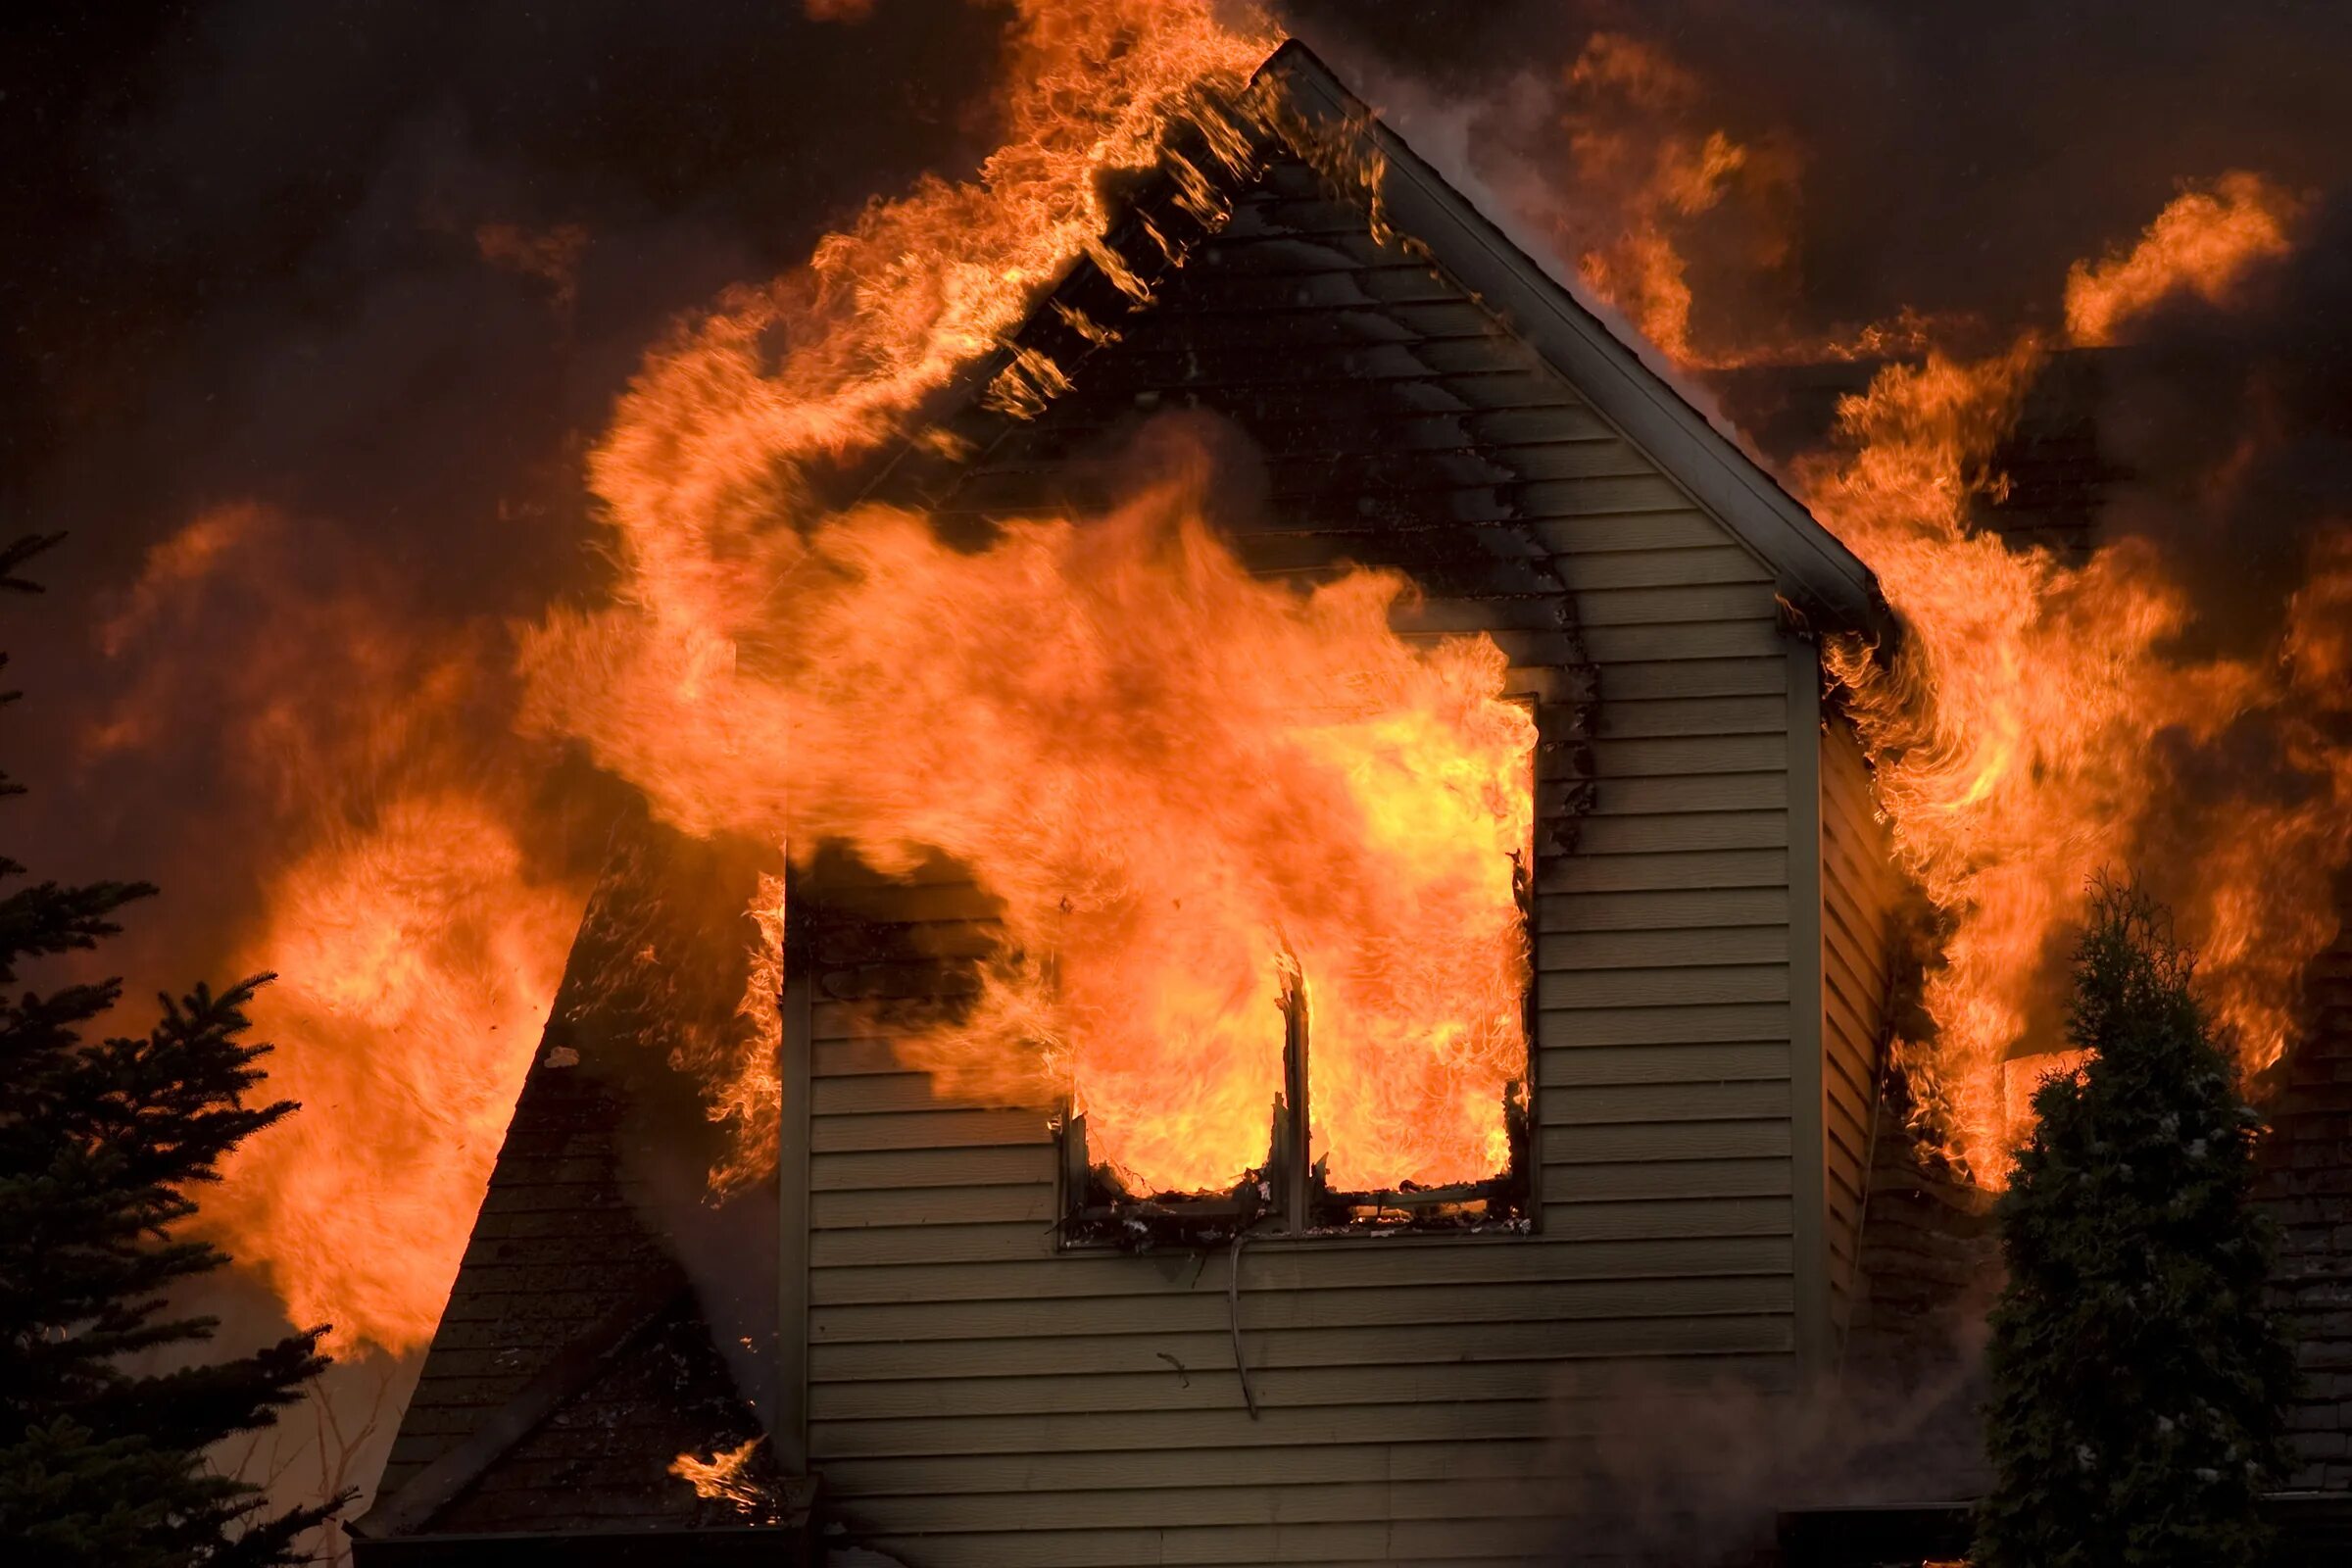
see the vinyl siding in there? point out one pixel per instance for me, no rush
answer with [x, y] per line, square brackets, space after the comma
[1859, 891]
[977, 1397]
[968, 1384]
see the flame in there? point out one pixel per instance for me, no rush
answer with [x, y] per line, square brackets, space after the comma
[2021, 1078]
[1648, 178]
[2014, 734]
[721, 1478]
[1169, 776]
[416, 948]
[2024, 734]
[416, 964]
[2021, 737]
[1174, 781]
[742, 1092]
[2205, 243]
[710, 468]
[709, 454]
[172, 567]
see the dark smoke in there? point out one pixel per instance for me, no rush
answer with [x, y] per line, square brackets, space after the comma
[1956, 158]
[2235, 426]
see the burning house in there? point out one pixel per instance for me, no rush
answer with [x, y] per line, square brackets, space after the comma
[1224, 1101]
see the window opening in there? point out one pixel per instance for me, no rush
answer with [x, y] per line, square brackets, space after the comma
[1290, 1191]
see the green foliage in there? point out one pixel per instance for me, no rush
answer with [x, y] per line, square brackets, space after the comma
[2138, 1386]
[100, 1145]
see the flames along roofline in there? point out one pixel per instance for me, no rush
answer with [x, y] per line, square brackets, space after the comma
[1815, 570]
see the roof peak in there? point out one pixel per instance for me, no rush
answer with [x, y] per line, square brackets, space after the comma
[1816, 569]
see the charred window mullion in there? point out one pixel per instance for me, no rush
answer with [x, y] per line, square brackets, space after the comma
[1294, 1149]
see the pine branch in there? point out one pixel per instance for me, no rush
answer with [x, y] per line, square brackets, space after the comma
[18, 551]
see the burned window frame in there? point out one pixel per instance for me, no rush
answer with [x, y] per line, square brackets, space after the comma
[1290, 1194]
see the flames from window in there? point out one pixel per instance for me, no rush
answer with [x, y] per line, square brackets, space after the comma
[1170, 779]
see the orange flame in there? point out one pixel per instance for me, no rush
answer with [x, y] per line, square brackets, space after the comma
[171, 569]
[2016, 734]
[1645, 175]
[419, 954]
[708, 456]
[707, 470]
[721, 1478]
[2016, 741]
[736, 1065]
[416, 966]
[2205, 243]
[1168, 775]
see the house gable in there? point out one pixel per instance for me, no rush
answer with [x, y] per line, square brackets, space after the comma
[574, 1362]
[967, 1379]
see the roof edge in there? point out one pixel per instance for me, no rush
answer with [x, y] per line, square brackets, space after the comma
[1817, 572]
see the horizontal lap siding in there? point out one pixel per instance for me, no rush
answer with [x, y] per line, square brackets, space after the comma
[1859, 891]
[977, 1397]
[969, 1387]
[1662, 945]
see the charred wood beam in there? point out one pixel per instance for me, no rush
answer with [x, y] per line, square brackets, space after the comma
[1293, 1174]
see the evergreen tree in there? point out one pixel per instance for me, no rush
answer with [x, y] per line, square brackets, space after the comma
[100, 1144]
[2138, 1386]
